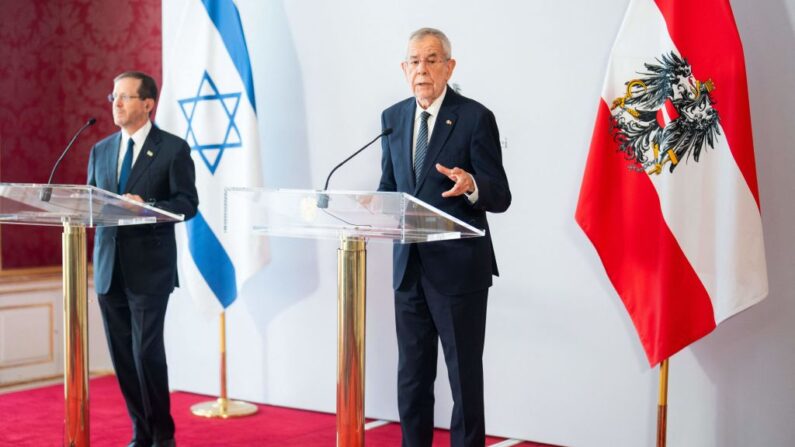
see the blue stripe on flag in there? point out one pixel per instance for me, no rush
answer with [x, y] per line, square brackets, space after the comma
[212, 260]
[226, 18]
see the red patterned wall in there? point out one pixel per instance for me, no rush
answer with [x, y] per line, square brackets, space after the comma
[57, 63]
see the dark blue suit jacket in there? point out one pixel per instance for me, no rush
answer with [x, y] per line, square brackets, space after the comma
[465, 135]
[164, 176]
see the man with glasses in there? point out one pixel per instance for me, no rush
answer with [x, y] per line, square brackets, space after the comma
[444, 150]
[135, 267]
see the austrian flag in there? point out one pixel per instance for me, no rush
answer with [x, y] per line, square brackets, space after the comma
[669, 197]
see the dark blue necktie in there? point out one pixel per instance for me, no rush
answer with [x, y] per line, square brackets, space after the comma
[126, 166]
[422, 146]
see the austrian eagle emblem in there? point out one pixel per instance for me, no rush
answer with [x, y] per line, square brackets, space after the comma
[665, 117]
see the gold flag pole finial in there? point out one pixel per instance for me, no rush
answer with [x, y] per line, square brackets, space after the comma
[223, 407]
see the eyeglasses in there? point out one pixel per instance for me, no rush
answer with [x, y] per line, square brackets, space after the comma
[431, 62]
[124, 97]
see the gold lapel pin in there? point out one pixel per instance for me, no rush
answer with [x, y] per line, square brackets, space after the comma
[449, 123]
[150, 153]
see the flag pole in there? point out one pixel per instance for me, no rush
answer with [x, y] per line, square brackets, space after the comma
[223, 407]
[662, 404]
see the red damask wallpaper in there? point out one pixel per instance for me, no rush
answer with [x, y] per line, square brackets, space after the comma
[57, 63]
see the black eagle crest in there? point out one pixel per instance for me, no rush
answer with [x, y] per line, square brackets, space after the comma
[666, 116]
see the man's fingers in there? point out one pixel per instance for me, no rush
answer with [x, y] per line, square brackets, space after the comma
[457, 189]
[444, 170]
[450, 193]
[459, 176]
[454, 174]
[134, 197]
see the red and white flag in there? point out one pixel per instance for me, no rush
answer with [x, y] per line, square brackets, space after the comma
[669, 197]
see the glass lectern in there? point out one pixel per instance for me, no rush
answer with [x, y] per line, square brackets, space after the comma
[75, 207]
[353, 218]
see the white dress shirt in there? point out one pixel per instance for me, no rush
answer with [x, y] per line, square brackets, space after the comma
[138, 143]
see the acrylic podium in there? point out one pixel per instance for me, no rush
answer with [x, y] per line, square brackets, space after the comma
[75, 208]
[353, 218]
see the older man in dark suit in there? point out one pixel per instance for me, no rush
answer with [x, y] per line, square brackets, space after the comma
[445, 150]
[135, 267]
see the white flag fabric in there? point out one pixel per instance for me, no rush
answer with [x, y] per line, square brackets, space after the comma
[208, 99]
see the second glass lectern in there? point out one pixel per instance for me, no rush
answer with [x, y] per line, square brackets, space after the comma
[75, 208]
[353, 218]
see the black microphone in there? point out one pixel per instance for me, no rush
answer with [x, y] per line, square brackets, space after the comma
[45, 193]
[322, 200]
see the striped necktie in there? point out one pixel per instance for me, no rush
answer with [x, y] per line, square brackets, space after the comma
[422, 146]
[126, 166]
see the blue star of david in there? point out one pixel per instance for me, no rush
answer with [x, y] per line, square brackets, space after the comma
[213, 110]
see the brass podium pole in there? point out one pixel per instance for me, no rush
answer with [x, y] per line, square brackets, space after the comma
[75, 323]
[351, 283]
[662, 405]
[223, 407]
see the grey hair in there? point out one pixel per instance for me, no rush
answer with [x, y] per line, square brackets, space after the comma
[423, 32]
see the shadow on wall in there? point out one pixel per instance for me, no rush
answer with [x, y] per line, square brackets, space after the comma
[292, 273]
[749, 358]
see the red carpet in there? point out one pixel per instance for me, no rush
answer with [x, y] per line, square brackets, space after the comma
[34, 418]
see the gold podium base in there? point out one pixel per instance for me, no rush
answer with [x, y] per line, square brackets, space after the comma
[223, 408]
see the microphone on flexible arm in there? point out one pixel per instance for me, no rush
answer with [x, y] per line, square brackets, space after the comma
[45, 193]
[322, 200]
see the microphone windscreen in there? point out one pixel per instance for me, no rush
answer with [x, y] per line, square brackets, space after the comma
[387, 131]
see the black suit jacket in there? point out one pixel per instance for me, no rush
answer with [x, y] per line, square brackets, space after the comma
[163, 175]
[465, 135]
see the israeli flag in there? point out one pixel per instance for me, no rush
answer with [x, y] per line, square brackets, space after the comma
[208, 99]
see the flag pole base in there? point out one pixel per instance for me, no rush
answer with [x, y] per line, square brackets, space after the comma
[223, 408]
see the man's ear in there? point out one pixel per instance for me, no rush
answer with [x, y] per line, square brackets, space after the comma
[451, 67]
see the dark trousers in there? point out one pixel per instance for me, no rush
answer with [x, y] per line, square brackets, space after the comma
[423, 317]
[134, 331]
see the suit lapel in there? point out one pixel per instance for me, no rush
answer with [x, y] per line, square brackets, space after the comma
[145, 157]
[408, 139]
[112, 162]
[441, 131]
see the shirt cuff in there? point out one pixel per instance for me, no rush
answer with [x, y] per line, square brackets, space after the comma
[473, 197]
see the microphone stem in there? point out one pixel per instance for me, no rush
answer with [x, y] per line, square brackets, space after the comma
[71, 142]
[325, 187]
